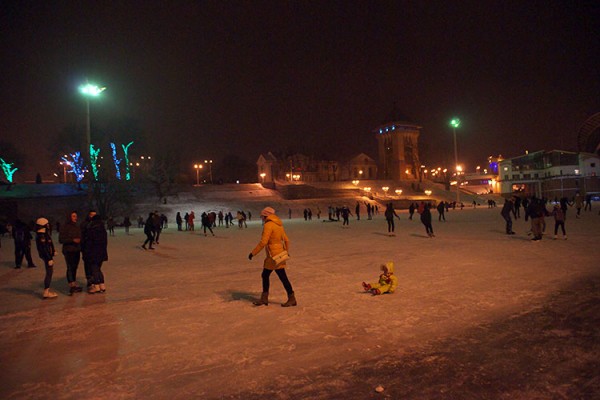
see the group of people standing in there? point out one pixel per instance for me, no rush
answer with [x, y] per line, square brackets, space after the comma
[535, 209]
[87, 241]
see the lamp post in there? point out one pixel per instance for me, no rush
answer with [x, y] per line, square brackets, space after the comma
[198, 167]
[89, 91]
[455, 123]
[209, 162]
[64, 165]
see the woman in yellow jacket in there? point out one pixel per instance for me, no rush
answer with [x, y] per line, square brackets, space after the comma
[276, 241]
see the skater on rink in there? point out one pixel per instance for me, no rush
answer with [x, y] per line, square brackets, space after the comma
[387, 281]
[390, 213]
[275, 241]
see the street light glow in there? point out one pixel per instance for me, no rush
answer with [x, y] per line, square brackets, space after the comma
[455, 122]
[91, 90]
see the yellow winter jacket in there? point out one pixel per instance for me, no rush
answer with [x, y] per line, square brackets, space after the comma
[274, 237]
[387, 284]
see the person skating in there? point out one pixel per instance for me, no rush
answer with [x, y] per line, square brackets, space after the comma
[426, 219]
[46, 251]
[559, 221]
[390, 213]
[206, 223]
[70, 237]
[148, 227]
[21, 234]
[275, 240]
[441, 207]
[387, 281]
[507, 210]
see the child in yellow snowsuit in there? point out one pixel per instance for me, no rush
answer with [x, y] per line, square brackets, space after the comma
[387, 281]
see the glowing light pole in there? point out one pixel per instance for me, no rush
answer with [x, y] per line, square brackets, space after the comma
[89, 91]
[455, 123]
[209, 162]
[198, 167]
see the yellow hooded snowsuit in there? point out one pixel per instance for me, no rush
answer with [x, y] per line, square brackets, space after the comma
[274, 237]
[387, 283]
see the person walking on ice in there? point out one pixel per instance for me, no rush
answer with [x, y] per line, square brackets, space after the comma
[387, 283]
[46, 251]
[276, 241]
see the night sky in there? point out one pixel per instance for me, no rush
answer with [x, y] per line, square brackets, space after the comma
[247, 77]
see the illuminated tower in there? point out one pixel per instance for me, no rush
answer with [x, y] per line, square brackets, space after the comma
[398, 147]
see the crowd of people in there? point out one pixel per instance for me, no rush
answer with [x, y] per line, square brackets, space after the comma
[87, 241]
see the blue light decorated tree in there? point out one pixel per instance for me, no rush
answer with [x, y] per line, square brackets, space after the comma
[76, 165]
[116, 160]
[8, 170]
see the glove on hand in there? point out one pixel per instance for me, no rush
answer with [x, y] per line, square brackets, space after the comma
[250, 256]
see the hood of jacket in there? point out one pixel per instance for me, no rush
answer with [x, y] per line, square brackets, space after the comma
[390, 266]
[274, 218]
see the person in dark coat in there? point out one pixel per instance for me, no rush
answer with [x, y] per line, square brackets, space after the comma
[206, 223]
[22, 237]
[426, 220]
[84, 225]
[70, 237]
[507, 210]
[46, 251]
[157, 226]
[126, 224]
[178, 220]
[95, 252]
[411, 210]
[441, 210]
[390, 213]
[148, 231]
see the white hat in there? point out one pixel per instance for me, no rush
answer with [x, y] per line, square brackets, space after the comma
[42, 221]
[267, 211]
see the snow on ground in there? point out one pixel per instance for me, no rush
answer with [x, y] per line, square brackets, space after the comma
[178, 322]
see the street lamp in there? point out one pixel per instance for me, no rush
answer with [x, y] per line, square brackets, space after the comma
[89, 91]
[209, 162]
[455, 123]
[198, 167]
[385, 189]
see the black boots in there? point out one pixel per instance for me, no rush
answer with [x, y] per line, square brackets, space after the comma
[291, 301]
[264, 300]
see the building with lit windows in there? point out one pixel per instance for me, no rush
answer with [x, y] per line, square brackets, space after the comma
[550, 174]
[398, 147]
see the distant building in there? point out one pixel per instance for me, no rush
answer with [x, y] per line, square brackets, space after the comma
[550, 174]
[302, 168]
[398, 147]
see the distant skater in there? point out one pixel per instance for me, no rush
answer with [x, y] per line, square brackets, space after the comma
[390, 213]
[426, 220]
[46, 251]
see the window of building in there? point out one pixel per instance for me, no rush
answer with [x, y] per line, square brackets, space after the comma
[536, 175]
[506, 177]
[593, 165]
[515, 177]
[526, 176]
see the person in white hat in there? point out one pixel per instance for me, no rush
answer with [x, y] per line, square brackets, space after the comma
[46, 251]
[276, 241]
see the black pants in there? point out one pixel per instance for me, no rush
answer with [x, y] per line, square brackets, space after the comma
[209, 228]
[391, 225]
[23, 251]
[88, 272]
[428, 227]
[72, 260]
[441, 217]
[508, 224]
[48, 277]
[97, 275]
[149, 239]
[266, 273]
[562, 226]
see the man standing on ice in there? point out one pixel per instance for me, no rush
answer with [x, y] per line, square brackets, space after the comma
[275, 240]
[507, 209]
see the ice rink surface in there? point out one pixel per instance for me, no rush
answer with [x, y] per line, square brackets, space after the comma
[178, 322]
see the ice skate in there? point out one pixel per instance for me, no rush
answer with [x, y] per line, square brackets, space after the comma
[48, 294]
[375, 292]
[366, 286]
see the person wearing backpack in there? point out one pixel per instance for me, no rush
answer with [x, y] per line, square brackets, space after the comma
[22, 237]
